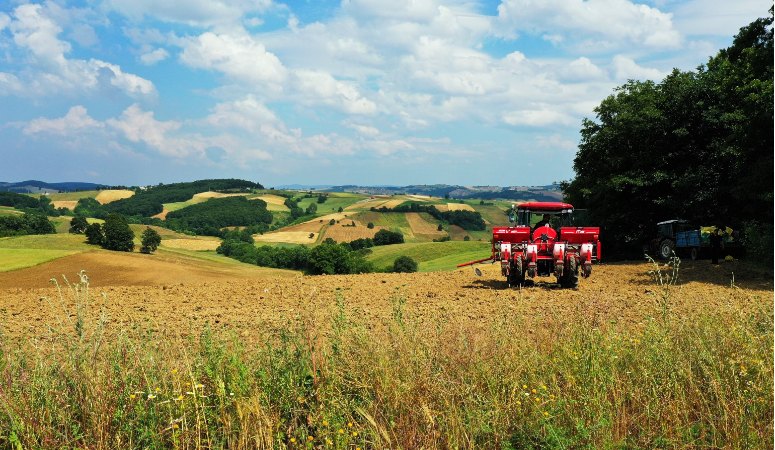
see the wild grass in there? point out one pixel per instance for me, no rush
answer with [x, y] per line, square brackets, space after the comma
[331, 379]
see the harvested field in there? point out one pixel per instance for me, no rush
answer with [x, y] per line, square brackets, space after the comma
[288, 237]
[459, 207]
[272, 199]
[162, 215]
[211, 194]
[191, 244]
[341, 233]
[113, 195]
[69, 204]
[171, 293]
[421, 226]
[457, 233]
[391, 204]
[442, 208]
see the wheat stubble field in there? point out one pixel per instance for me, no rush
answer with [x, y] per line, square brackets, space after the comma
[435, 360]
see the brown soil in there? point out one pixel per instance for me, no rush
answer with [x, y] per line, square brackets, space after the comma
[175, 296]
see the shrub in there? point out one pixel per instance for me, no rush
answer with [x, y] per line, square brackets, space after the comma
[386, 237]
[405, 264]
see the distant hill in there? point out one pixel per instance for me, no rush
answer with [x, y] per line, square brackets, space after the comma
[549, 193]
[40, 187]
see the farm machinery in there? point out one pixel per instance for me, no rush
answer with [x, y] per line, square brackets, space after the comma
[553, 246]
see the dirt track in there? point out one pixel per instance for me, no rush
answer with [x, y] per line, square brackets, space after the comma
[174, 297]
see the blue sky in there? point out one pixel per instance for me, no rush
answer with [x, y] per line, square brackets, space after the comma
[361, 92]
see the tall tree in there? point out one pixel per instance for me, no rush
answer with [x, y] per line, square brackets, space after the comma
[118, 235]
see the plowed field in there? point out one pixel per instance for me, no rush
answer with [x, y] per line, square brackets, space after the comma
[175, 296]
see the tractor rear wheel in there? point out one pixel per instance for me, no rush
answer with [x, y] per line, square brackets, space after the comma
[666, 248]
[570, 279]
[695, 253]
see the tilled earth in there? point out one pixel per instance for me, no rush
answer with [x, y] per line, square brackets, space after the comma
[184, 299]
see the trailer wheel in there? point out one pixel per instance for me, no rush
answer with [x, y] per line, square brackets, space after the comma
[695, 253]
[666, 248]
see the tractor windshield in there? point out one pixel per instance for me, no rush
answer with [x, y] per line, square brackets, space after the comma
[555, 219]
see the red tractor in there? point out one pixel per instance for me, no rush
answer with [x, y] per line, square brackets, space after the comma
[552, 246]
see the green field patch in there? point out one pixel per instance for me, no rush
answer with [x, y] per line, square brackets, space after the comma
[451, 262]
[427, 252]
[19, 258]
[60, 241]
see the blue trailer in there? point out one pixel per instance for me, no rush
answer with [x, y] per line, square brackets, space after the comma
[684, 239]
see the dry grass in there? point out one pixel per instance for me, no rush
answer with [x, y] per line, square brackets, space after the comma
[459, 207]
[421, 226]
[162, 215]
[211, 194]
[288, 237]
[113, 195]
[69, 204]
[191, 244]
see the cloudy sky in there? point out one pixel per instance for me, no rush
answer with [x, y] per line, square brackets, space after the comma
[367, 92]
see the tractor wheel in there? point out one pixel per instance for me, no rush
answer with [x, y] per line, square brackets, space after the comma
[570, 279]
[666, 248]
[695, 253]
[517, 275]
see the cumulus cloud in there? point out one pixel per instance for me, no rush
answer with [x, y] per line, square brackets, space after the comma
[239, 56]
[154, 56]
[246, 114]
[52, 71]
[537, 118]
[75, 121]
[141, 126]
[624, 68]
[611, 21]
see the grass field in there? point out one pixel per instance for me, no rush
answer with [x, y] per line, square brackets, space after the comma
[430, 255]
[72, 196]
[19, 258]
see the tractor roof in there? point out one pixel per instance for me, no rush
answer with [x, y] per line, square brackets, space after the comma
[545, 206]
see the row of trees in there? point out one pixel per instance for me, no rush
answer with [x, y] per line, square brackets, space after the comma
[697, 146]
[115, 234]
[25, 224]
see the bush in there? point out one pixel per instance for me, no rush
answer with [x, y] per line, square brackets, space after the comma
[370, 226]
[386, 237]
[405, 264]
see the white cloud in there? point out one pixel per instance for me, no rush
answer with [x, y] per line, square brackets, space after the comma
[152, 57]
[5, 20]
[537, 118]
[320, 87]
[52, 72]
[613, 22]
[140, 126]
[246, 114]
[240, 57]
[403, 10]
[74, 122]
[364, 130]
[626, 69]
[717, 17]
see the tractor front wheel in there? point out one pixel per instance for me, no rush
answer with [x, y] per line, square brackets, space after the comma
[517, 274]
[666, 248]
[570, 279]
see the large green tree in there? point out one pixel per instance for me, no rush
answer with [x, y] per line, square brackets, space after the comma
[697, 145]
[118, 235]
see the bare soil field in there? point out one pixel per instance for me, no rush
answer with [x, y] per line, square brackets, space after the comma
[113, 195]
[174, 296]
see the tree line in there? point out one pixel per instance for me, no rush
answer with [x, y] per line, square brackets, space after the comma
[697, 146]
